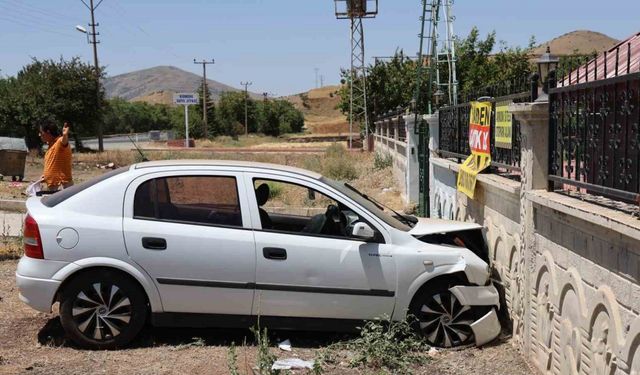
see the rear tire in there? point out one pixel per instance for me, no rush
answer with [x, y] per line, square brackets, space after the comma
[440, 318]
[102, 310]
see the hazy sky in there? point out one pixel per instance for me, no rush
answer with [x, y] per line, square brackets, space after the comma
[274, 43]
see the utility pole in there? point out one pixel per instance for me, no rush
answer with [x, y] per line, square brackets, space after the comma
[204, 93]
[95, 42]
[316, 69]
[246, 102]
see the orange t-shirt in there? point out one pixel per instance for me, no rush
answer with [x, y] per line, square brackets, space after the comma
[57, 164]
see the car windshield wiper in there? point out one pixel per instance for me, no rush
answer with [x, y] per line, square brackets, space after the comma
[382, 206]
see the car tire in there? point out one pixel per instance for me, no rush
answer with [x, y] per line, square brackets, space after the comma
[438, 316]
[102, 310]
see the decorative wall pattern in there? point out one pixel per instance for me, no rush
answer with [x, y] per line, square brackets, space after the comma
[575, 300]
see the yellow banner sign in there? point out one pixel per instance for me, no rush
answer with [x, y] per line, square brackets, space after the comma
[467, 175]
[504, 126]
[479, 143]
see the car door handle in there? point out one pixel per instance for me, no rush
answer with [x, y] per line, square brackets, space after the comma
[276, 253]
[153, 243]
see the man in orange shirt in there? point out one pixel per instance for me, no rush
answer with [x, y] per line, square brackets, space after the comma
[57, 159]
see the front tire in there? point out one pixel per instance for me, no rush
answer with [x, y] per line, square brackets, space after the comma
[441, 319]
[102, 310]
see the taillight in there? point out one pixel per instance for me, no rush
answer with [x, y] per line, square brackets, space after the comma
[31, 239]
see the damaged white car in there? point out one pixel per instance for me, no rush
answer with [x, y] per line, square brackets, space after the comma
[219, 243]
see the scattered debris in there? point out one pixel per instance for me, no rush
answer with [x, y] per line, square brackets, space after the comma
[285, 345]
[106, 166]
[291, 364]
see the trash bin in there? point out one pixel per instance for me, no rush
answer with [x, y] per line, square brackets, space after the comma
[13, 157]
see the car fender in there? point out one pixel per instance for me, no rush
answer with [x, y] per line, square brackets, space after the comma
[147, 284]
[474, 268]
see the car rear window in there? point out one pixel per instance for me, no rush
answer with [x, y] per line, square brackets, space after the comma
[61, 196]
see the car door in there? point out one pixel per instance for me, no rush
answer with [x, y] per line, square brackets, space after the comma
[302, 273]
[190, 231]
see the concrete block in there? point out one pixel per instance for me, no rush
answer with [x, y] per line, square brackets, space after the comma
[628, 264]
[13, 205]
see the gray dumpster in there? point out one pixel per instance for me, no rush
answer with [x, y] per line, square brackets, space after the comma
[13, 157]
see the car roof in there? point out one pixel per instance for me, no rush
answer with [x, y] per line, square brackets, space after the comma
[226, 163]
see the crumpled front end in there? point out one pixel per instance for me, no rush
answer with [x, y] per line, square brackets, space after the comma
[487, 327]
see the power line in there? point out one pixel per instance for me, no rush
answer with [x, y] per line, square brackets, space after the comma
[32, 9]
[93, 40]
[204, 93]
[33, 25]
[246, 110]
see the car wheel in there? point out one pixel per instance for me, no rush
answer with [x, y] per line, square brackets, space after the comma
[102, 310]
[442, 320]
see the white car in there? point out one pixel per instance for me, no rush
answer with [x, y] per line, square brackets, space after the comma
[216, 243]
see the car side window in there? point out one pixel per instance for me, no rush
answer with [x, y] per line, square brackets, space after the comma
[211, 200]
[289, 207]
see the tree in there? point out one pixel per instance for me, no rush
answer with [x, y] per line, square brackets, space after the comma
[391, 84]
[50, 90]
[230, 113]
[121, 116]
[211, 109]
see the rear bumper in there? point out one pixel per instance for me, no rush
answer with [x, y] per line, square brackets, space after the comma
[37, 293]
[487, 327]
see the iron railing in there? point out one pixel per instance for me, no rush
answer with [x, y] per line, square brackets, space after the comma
[453, 141]
[594, 130]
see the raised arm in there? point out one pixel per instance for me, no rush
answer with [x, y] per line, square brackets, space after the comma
[65, 134]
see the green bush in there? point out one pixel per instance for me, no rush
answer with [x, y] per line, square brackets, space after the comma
[385, 344]
[336, 150]
[336, 164]
[275, 190]
[339, 169]
[382, 161]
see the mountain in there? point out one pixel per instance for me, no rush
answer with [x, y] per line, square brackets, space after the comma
[576, 42]
[319, 107]
[159, 83]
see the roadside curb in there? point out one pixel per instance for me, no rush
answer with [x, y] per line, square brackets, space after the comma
[13, 205]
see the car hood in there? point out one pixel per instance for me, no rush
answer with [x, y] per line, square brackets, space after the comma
[426, 226]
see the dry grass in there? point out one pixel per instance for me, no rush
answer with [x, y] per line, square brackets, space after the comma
[242, 141]
[10, 247]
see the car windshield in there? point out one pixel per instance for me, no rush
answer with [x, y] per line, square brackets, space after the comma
[365, 202]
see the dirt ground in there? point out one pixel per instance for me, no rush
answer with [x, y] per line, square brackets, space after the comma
[33, 343]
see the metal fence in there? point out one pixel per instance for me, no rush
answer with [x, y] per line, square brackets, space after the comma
[453, 124]
[594, 130]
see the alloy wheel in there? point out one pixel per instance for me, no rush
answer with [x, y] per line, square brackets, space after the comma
[101, 311]
[444, 321]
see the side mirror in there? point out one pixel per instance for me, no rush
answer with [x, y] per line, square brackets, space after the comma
[311, 195]
[363, 231]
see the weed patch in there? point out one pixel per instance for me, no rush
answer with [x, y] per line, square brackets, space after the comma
[383, 346]
[382, 161]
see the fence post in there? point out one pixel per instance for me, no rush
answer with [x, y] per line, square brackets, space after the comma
[412, 183]
[434, 139]
[534, 125]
